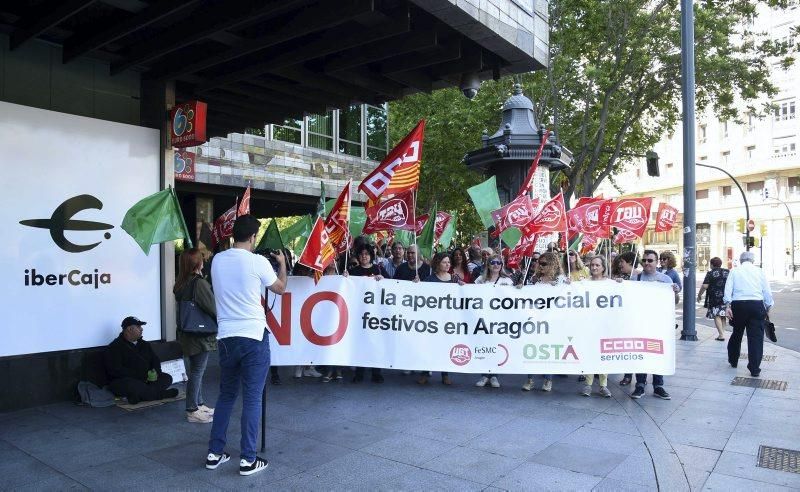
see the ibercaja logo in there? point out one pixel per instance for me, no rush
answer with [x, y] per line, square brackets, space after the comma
[460, 355]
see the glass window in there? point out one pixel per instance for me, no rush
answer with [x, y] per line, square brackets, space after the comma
[290, 131]
[726, 191]
[320, 131]
[377, 136]
[350, 131]
[701, 194]
[755, 186]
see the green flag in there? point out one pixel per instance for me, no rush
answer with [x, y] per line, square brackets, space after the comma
[297, 233]
[156, 219]
[271, 238]
[427, 236]
[357, 220]
[449, 232]
[511, 236]
[486, 199]
[406, 238]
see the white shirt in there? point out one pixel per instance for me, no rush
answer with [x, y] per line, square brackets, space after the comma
[500, 281]
[747, 282]
[240, 279]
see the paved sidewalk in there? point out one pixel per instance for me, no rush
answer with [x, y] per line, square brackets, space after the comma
[400, 436]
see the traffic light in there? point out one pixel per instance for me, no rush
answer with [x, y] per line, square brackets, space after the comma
[652, 164]
[740, 226]
[749, 241]
[763, 229]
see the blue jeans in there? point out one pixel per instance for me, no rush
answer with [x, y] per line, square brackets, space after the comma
[196, 365]
[641, 381]
[245, 362]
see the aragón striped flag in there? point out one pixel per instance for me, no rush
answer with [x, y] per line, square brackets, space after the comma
[319, 252]
[399, 170]
[336, 225]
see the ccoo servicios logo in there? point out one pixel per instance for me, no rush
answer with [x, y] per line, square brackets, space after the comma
[60, 221]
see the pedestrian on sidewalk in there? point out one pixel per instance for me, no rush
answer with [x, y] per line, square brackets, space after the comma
[749, 300]
[622, 268]
[197, 347]
[493, 274]
[714, 287]
[649, 274]
[240, 278]
[597, 270]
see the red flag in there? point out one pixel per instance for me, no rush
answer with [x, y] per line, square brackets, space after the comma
[318, 252]
[399, 170]
[517, 213]
[244, 205]
[625, 236]
[585, 219]
[631, 214]
[337, 223]
[421, 221]
[223, 227]
[526, 185]
[588, 199]
[665, 217]
[442, 219]
[551, 218]
[392, 213]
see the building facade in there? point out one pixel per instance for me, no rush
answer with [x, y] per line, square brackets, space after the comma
[761, 151]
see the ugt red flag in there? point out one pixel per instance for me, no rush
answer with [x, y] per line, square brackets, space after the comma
[551, 218]
[337, 223]
[665, 217]
[625, 236]
[442, 219]
[399, 170]
[421, 221]
[631, 214]
[392, 213]
[244, 204]
[223, 227]
[585, 219]
[526, 185]
[517, 213]
[318, 252]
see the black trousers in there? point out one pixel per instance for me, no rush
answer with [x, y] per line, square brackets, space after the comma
[135, 390]
[750, 316]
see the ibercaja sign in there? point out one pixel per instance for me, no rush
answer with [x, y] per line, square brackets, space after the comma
[188, 124]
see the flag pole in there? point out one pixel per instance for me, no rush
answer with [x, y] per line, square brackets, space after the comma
[180, 213]
[416, 248]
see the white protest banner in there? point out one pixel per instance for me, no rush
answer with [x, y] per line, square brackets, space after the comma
[585, 327]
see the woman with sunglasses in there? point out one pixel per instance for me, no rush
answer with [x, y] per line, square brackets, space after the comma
[597, 270]
[547, 271]
[440, 272]
[577, 270]
[458, 267]
[493, 274]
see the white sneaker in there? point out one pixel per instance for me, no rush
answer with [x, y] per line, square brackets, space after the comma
[311, 372]
[528, 386]
[604, 391]
[482, 382]
[587, 390]
[548, 385]
[493, 382]
[205, 409]
[298, 372]
[199, 417]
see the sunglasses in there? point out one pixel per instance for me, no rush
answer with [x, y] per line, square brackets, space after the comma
[495, 262]
[663, 259]
[648, 260]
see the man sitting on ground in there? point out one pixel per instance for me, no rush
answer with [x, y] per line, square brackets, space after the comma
[133, 367]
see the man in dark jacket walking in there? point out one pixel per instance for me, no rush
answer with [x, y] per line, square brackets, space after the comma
[133, 367]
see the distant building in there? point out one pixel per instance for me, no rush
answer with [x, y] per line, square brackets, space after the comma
[760, 153]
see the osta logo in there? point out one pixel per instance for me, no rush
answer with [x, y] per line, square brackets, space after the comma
[460, 355]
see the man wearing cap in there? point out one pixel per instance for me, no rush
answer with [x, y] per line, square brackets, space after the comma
[133, 367]
[240, 279]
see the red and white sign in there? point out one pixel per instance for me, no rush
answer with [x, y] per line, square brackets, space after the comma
[517, 213]
[184, 166]
[665, 217]
[188, 124]
[391, 213]
[751, 225]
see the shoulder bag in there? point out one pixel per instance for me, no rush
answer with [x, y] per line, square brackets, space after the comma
[193, 319]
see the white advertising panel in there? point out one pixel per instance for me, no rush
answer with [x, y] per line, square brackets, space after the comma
[69, 273]
[584, 327]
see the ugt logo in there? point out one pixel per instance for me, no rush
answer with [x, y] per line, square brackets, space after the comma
[61, 221]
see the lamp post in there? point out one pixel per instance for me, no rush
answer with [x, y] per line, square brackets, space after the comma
[791, 224]
[744, 197]
[689, 227]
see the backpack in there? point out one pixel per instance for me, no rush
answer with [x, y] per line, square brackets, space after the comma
[94, 396]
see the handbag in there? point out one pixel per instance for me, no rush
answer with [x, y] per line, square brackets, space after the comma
[769, 330]
[193, 319]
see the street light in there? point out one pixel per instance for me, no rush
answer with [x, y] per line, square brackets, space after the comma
[791, 223]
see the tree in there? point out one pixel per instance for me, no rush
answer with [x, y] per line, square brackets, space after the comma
[612, 87]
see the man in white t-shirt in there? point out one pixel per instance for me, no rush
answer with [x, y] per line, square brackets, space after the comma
[240, 279]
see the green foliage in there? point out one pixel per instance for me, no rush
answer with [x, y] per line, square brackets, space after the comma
[612, 88]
